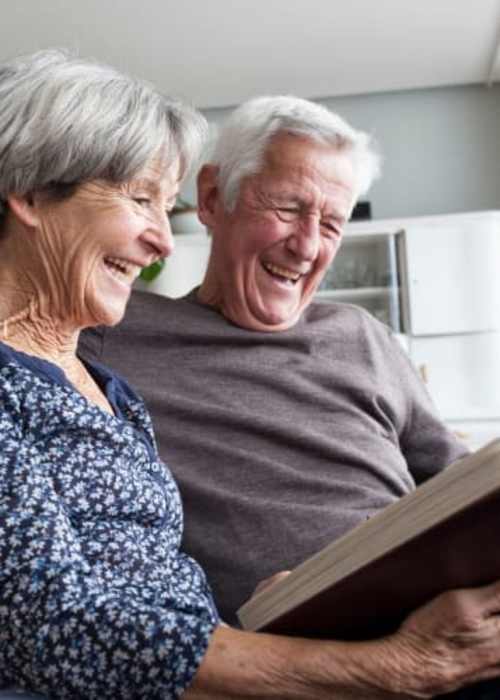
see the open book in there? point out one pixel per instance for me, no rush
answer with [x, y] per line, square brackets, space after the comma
[444, 535]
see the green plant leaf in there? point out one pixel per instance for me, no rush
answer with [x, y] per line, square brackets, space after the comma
[148, 274]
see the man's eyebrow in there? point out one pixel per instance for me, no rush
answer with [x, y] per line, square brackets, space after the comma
[336, 216]
[285, 194]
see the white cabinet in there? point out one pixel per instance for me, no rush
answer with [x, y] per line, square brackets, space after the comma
[447, 269]
[449, 283]
[365, 272]
[462, 373]
[476, 434]
[451, 273]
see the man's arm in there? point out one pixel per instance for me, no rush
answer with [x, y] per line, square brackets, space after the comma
[450, 642]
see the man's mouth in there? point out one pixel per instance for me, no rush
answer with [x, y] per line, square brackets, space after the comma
[282, 273]
[123, 270]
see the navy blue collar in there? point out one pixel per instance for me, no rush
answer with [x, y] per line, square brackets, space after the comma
[116, 389]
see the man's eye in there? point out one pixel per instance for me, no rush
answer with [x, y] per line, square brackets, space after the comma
[142, 201]
[287, 213]
[331, 228]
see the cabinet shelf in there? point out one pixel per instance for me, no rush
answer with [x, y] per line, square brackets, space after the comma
[355, 293]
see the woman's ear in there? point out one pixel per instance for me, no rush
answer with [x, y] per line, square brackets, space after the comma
[24, 208]
[208, 194]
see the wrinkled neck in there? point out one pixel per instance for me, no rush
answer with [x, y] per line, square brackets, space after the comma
[209, 292]
[30, 320]
[32, 330]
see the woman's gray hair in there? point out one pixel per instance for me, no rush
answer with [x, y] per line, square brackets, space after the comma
[245, 136]
[66, 120]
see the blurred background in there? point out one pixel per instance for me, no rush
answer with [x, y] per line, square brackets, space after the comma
[421, 76]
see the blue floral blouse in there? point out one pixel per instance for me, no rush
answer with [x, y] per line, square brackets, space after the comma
[96, 601]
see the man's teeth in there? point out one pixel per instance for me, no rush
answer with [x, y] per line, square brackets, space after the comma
[282, 272]
[122, 268]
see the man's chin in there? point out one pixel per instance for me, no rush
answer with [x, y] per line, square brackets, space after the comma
[273, 320]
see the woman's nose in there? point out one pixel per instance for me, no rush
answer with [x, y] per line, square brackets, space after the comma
[163, 238]
[159, 237]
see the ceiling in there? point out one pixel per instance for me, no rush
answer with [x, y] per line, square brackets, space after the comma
[218, 52]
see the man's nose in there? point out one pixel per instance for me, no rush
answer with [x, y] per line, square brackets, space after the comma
[304, 241]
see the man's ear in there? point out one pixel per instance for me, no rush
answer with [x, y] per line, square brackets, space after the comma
[208, 194]
[24, 208]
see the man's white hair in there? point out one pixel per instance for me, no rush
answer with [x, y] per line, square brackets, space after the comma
[245, 136]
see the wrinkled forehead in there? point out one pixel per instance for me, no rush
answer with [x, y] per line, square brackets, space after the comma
[301, 150]
[165, 174]
[300, 162]
[166, 162]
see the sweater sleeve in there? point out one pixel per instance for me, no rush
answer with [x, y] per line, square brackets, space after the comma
[65, 631]
[426, 441]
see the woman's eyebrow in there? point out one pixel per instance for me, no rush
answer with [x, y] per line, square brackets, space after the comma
[147, 183]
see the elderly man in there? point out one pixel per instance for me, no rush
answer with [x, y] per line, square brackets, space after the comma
[288, 422]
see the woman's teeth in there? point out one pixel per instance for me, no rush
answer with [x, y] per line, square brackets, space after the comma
[122, 269]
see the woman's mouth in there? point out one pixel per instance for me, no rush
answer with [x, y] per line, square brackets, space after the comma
[121, 269]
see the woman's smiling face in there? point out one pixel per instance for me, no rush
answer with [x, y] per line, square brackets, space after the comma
[270, 253]
[92, 245]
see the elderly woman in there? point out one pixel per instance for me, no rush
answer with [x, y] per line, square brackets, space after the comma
[95, 599]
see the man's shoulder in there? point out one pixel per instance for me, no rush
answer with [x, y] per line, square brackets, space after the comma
[346, 319]
[149, 312]
[144, 306]
[146, 316]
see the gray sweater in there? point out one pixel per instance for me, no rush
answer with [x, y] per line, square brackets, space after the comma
[280, 442]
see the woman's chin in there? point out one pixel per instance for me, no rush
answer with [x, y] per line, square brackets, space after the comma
[105, 315]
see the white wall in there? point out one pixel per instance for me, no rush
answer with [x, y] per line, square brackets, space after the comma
[441, 148]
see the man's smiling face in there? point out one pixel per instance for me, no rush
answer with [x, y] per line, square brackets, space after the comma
[270, 253]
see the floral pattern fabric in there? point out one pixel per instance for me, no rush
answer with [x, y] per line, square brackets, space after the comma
[96, 600]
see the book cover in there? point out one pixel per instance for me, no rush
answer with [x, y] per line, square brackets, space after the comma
[440, 537]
